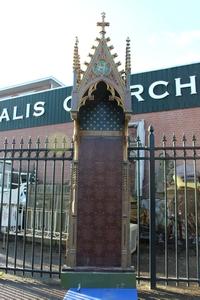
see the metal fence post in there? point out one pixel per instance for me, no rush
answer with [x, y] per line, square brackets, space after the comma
[152, 229]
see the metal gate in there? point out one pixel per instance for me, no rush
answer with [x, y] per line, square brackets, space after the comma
[34, 199]
[166, 202]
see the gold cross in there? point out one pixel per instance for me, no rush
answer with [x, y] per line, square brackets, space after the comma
[103, 24]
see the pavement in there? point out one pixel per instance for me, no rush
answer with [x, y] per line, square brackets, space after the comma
[24, 288]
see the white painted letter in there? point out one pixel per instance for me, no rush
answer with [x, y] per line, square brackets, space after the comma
[153, 85]
[138, 92]
[28, 110]
[191, 84]
[65, 103]
[4, 115]
[39, 109]
[15, 117]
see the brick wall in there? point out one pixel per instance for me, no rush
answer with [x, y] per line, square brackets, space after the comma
[178, 122]
[51, 131]
[184, 121]
[58, 131]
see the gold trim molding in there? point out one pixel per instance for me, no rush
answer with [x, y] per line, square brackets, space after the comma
[100, 133]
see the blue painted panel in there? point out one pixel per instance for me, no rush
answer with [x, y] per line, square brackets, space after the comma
[101, 294]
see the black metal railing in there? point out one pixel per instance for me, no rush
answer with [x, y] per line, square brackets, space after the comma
[168, 212]
[34, 200]
[34, 203]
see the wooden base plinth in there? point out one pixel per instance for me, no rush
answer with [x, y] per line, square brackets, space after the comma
[98, 278]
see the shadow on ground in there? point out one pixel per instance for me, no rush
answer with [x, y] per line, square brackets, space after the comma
[169, 292]
[21, 288]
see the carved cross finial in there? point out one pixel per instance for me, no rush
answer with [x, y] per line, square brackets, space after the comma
[103, 24]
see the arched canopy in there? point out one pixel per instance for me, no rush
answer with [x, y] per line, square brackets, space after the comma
[100, 110]
[98, 88]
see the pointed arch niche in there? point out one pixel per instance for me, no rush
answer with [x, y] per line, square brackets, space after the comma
[101, 111]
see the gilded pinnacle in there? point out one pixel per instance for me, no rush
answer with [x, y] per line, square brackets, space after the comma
[76, 61]
[128, 57]
[76, 55]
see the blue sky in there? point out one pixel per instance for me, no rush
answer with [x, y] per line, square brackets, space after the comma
[37, 36]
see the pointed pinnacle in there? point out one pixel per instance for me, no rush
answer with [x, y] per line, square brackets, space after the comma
[164, 138]
[194, 138]
[76, 55]
[174, 138]
[128, 41]
[128, 57]
[76, 61]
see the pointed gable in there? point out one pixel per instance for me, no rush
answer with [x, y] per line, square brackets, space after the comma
[102, 67]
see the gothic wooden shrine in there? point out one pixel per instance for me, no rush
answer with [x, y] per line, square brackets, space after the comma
[101, 107]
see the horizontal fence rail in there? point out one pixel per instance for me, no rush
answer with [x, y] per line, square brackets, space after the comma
[34, 204]
[166, 201]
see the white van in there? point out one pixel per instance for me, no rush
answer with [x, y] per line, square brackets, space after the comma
[13, 188]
